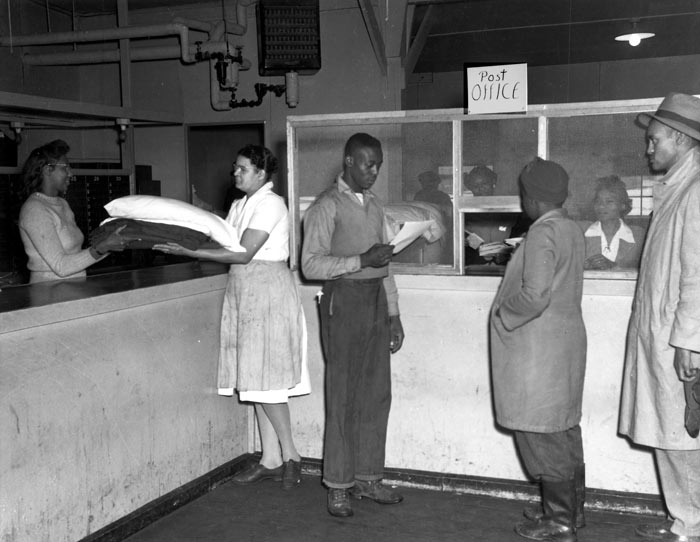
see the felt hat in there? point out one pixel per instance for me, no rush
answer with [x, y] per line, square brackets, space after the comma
[544, 180]
[679, 111]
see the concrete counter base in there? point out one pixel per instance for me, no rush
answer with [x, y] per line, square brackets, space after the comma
[109, 402]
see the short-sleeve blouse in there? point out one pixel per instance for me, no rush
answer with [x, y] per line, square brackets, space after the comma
[265, 211]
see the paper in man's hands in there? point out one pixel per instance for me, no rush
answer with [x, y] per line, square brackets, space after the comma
[409, 233]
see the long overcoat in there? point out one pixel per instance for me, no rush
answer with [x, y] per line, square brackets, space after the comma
[538, 339]
[665, 313]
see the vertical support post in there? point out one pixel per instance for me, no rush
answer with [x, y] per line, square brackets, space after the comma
[457, 216]
[543, 137]
[127, 148]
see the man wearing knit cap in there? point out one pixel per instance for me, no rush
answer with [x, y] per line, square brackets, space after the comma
[663, 341]
[538, 353]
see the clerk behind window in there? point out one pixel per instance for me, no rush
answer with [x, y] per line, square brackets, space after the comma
[610, 241]
[52, 240]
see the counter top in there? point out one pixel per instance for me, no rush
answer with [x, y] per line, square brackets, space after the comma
[36, 304]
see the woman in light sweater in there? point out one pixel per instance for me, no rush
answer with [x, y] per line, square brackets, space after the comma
[52, 240]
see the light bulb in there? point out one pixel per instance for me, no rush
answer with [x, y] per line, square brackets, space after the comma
[635, 40]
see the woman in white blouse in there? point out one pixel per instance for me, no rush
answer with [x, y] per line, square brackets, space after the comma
[263, 331]
[610, 241]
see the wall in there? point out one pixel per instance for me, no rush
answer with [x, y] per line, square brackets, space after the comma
[164, 147]
[210, 150]
[108, 403]
[442, 418]
[622, 80]
[348, 81]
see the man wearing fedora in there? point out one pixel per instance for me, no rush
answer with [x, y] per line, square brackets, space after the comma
[663, 343]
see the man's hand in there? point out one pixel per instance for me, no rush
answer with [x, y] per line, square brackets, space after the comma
[377, 256]
[396, 333]
[687, 364]
[474, 241]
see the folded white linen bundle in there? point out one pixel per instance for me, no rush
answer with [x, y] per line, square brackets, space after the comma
[176, 213]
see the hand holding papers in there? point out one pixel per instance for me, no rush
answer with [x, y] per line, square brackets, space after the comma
[409, 233]
[473, 240]
[487, 250]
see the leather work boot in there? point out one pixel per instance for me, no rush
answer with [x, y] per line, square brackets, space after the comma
[375, 490]
[558, 523]
[339, 502]
[535, 512]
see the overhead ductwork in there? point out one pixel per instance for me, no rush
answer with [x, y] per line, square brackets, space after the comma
[180, 27]
[225, 60]
[110, 34]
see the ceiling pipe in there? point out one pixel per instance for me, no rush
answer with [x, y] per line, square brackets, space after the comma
[194, 24]
[138, 54]
[113, 34]
[180, 26]
[240, 27]
[218, 102]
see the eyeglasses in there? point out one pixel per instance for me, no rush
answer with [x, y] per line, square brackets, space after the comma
[58, 164]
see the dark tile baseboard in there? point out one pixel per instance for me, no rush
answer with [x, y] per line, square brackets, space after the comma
[164, 505]
[596, 499]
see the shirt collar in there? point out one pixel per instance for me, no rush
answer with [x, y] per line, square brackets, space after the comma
[688, 162]
[345, 187]
[624, 233]
[263, 190]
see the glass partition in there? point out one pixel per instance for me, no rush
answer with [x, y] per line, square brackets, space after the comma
[409, 183]
[609, 187]
[460, 173]
[493, 153]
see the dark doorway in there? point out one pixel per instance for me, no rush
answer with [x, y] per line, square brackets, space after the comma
[211, 154]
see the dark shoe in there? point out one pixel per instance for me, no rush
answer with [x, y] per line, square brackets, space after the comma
[292, 474]
[257, 473]
[339, 503]
[375, 490]
[662, 531]
[546, 529]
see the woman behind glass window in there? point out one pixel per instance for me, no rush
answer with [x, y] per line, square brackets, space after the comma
[610, 241]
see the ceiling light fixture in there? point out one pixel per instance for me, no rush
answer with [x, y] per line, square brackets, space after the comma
[634, 37]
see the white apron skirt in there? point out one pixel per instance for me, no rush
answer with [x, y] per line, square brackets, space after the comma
[263, 334]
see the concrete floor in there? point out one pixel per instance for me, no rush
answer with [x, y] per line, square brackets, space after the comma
[264, 512]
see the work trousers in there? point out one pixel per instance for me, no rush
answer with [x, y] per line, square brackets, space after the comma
[679, 471]
[551, 457]
[355, 333]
